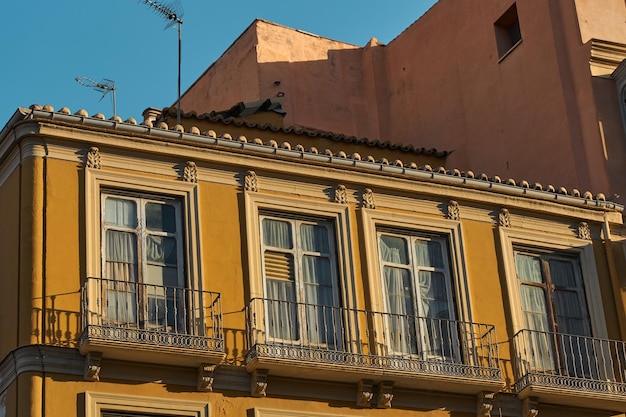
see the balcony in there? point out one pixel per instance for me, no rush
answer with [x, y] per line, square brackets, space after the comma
[340, 344]
[151, 323]
[568, 369]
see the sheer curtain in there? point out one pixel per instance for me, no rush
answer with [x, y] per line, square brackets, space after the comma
[280, 280]
[121, 266]
[540, 343]
[434, 298]
[322, 318]
[397, 281]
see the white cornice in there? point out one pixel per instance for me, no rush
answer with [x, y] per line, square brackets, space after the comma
[605, 57]
[126, 145]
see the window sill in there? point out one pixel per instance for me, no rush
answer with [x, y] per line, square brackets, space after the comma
[507, 53]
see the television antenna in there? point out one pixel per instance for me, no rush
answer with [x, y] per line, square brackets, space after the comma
[172, 12]
[105, 86]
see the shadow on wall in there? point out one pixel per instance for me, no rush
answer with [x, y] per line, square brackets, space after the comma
[59, 323]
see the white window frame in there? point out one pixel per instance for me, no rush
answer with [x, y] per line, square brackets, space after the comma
[257, 203]
[375, 219]
[511, 238]
[98, 402]
[297, 252]
[98, 180]
[410, 237]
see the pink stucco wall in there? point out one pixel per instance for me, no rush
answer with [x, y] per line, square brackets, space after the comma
[533, 115]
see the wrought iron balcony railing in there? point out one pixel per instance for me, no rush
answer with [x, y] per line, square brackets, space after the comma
[154, 315]
[362, 339]
[565, 361]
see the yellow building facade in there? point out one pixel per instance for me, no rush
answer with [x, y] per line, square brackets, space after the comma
[229, 270]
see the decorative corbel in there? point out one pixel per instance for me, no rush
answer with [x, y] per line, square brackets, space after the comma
[341, 195]
[205, 377]
[259, 383]
[93, 158]
[251, 182]
[92, 366]
[364, 393]
[384, 394]
[504, 218]
[190, 172]
[453, 212]
[530, 407]
[485, 404]
[367, 197]
[584, 232]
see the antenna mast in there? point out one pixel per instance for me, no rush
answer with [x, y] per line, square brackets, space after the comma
[171, 12]
[104, 86]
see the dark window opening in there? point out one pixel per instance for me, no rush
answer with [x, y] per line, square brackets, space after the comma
[508, 33]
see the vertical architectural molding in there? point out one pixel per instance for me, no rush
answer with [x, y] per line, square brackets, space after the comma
[259, 383]
[251, 182]
[190, 172]
[530, 407]
[364, 393]
[341, 195]
[92, 366]
[367, 197]
[453, 212]
[93, 158]
[584, 232]
[384, 394]
[205, 377]
[504, 218]
[485, 404]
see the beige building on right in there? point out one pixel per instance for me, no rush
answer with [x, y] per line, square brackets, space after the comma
[530, 89]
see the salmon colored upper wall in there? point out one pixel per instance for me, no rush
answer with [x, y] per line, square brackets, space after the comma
[515, 118]
[9, 260]
[231, 79]
[604, 22]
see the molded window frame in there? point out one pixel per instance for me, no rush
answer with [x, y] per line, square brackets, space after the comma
[97, 403]
[513, 238]
[376, 219]
[257, 204]
[99, 182]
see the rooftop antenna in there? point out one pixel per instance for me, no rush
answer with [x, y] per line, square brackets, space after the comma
[104, 86]
[172, 12]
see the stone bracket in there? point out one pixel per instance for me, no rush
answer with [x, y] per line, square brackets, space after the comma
[484, 404]
[93, 366]
[364, 393]
[530, 407]
[206, 375]
[259, 383]
[384, 394]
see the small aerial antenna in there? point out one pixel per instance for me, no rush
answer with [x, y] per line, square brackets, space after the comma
[105, 86]
[172, 12]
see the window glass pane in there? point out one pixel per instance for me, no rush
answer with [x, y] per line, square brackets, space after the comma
[314, 238]
[161, 217]
[161, 250]
[277, 233]
[394, 249]
[562, 273]
[120, 212]
[428, 253]
[534, 306]
[121, 256]
[433, 295]
[401, 321]
[528, 268]
[570, 315]
[316, 270]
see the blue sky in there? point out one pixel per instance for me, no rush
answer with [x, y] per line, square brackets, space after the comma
[46, 44]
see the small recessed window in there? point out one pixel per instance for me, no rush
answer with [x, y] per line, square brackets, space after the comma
[508, 33]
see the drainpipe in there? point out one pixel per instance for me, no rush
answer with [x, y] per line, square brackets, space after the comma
[619, 287]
